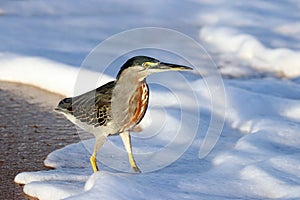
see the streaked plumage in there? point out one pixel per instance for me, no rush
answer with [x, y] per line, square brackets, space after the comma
[116, 107]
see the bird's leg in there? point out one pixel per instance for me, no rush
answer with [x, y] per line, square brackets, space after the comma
[127, 143]
[98, 143]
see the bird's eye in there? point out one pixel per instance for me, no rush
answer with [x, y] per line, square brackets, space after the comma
[146, 64]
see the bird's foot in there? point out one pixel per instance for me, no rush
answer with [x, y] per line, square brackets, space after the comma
[133, 164]
[136, 169]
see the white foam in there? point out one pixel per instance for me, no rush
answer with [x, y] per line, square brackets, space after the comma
[240, 166]
[46, 74]
[244, 48]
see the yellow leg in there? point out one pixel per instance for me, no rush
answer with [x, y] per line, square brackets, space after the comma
[127, 143]
[133, 164]
[94, 163]
[98, 144]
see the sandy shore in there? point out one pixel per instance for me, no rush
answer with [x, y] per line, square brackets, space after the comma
[30, 130]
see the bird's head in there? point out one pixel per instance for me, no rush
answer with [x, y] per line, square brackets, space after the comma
[142, 66]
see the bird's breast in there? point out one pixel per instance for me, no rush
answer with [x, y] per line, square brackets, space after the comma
[129, 104]
[138, 104]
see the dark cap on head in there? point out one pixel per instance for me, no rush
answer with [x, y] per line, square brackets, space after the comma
[137, 60]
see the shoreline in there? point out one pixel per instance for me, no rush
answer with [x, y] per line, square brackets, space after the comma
[30, 130]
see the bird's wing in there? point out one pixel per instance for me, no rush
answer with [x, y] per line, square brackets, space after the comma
[94, 107]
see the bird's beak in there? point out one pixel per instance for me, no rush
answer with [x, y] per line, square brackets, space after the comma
[160, 67]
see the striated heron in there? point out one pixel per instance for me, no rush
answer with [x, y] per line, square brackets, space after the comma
[116, 107]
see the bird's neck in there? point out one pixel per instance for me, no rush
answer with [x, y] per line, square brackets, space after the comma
[123, 91]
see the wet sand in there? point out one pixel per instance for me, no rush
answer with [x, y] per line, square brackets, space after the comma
[29, 130]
